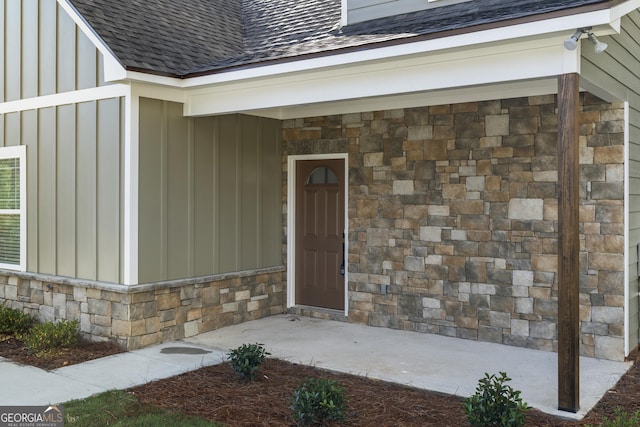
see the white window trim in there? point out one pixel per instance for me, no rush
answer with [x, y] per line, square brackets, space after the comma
[19, 152]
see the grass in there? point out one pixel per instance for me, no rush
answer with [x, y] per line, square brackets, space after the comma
[121, 409]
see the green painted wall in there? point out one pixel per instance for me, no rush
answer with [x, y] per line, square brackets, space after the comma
[43, 52]
[74, 187]
[210, 193]
[74, 151]
[616, 69]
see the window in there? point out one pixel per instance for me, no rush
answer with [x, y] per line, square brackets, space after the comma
[322, 175]
[13, 208]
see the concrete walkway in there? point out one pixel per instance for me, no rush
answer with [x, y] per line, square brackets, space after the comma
[26, 385]
[431, 362]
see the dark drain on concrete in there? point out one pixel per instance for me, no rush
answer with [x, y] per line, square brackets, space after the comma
[183, 350]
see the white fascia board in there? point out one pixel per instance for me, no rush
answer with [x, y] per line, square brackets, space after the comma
[624, 8]
[154, 91]
[155, 80]
[601, 21]
[113, 69]
[486, 65]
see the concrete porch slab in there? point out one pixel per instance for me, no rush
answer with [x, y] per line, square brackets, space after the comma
[431, 362]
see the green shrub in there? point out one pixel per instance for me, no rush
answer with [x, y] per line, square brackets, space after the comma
[495, 404]
[49, 337]
[247, 359]
[318, 401]
[622, 419]
[14, 322]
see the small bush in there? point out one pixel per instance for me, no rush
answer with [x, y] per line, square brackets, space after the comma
[247, 359]
[622, 419]
[495, 404]
[14, 322]
[318, 401]
[49, 337]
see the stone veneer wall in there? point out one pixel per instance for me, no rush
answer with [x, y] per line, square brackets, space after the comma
[453, 218]
[141, 315]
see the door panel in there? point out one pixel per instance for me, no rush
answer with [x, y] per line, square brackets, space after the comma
[319, 233]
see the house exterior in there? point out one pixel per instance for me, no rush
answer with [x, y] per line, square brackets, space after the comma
[169, 168]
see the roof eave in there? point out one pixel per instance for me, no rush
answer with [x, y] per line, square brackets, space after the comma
[217, 70]
[411, 39]
[600, 18]
[595, 15]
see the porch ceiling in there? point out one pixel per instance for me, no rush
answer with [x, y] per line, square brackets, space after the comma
[505, 90]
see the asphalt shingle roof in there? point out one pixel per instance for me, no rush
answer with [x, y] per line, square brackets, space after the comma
[183, 38]
[166, 36]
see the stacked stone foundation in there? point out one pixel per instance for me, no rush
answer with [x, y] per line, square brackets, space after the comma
[142, 315]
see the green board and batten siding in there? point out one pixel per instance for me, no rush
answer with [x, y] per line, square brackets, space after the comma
[74, 151]
[210, 193]
[616, 70]
[43, 52]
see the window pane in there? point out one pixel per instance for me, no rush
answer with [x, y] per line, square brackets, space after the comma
[10, 183]
[322, 176]
[10, 239]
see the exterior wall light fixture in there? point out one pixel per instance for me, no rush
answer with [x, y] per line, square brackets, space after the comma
[598, 46]
[572, 42]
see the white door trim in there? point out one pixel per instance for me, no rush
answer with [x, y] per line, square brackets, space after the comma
[291, 220]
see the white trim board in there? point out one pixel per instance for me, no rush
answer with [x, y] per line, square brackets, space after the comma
[131, 188]
[627, 277]
[65, 98]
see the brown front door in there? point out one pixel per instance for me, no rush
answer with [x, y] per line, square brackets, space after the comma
[319, 233]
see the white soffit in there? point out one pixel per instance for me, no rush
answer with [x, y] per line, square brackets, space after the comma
[457, 68]
[421, 99]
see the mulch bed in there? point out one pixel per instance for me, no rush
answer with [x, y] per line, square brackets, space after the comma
[217, 393]
[14, 349]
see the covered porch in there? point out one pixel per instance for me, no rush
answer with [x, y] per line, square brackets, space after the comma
[425, 361]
